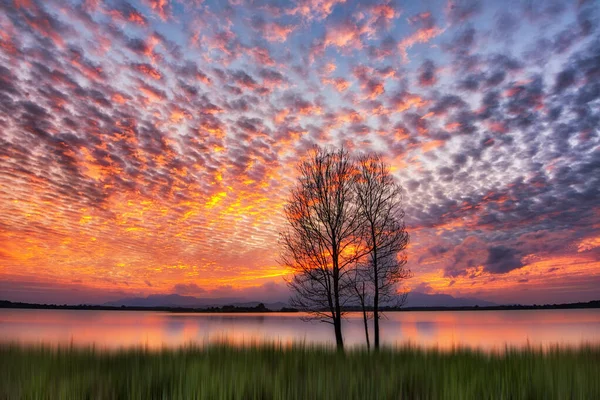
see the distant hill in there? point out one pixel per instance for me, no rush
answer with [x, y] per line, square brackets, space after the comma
[415, 299]
[176, 300]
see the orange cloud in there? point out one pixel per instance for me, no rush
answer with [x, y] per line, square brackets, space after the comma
[345, 34]
[314, 8]
[424, 34]
[148, 70]
[340, 84]
[160, 7]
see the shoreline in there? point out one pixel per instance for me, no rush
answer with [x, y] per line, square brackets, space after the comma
[261, 309]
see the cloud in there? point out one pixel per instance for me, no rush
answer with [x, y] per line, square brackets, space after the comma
[124, 11]
[188, 289]
[423, 287]
[162, 8]
[426, 30]
[344, 34]
[147, 70]
[271, 30]
[427, 73]
[319, 9]
[459, 11]
[502, 259]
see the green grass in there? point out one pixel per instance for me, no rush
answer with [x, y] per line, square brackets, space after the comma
[273, 372]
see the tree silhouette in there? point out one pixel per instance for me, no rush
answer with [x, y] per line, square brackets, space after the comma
[322, 240]
[379, 200]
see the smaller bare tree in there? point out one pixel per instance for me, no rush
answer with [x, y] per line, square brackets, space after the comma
[379, 200]
[359, 282]
[321, 242]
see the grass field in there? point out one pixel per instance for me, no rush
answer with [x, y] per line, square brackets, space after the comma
[272, 372]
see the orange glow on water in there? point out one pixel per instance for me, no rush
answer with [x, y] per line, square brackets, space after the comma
[491, 331]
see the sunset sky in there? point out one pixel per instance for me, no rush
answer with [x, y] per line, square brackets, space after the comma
[148, 146]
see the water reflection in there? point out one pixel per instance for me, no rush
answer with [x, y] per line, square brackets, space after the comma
[425, 328]
[481, 329]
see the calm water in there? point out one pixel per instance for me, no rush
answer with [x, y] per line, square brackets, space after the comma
[482, 329]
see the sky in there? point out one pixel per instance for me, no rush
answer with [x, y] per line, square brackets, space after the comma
[149, 146]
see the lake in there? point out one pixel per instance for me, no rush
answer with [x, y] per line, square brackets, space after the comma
[486, 330]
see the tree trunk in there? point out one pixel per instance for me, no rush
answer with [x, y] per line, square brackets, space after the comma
[376, 294]
[361, 296]
[339, 340]
[366, 328]
[337, 321]
[376, 319]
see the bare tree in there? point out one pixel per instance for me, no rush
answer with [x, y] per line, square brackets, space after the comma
[321, 242]
[379, 199]
[359, 281]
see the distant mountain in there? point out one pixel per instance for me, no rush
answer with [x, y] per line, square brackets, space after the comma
[176, 300]
[417, 299]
